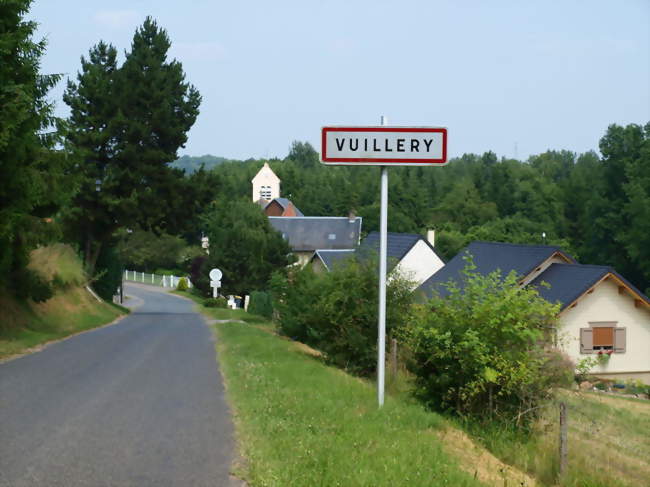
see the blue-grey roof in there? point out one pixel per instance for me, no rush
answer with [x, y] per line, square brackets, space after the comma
[570, 281]
[488, 257]
[310, 233]
[331, 258]
[398, 245]
[284, 203]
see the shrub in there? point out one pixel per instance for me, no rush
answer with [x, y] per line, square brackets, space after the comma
[483, 350]
[199, 270]
[260, 304]
[29, 284]
[336, 312]
[109, 273]
[218, 302]
[182, 284]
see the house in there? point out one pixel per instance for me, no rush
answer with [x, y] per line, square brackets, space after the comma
[266, 185]
[410, 254]
[307, 234]
[325, 260]
[601, 312]
[281, 207]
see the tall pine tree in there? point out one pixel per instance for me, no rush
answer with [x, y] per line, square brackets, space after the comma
[31, 170]
[127, 123]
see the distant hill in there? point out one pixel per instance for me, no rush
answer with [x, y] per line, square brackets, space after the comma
[191, 164]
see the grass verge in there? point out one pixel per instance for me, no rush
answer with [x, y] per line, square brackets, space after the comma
[301, 423]
[25, 324]
[222, 313]
[608, 442]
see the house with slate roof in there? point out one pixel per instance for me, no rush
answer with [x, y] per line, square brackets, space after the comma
[601, 312]
[410, 254]
[281, 207]
[307, 234]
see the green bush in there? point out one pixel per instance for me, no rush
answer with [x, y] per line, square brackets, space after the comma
[336, 312]
[219, 302]
[29, 284]
[182, 284]
[484, 351]
[108, 273]
[260, 304]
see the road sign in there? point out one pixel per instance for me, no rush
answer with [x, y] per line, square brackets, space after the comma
[216, 274]
[384, 146]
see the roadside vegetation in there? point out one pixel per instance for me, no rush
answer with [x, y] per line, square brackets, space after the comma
[301, 422]
[607, 439]
[476, 374]
[25, 324]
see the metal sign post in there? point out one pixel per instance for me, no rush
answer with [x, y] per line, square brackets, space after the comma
[381, 315]
[383, 146]
[215, 281]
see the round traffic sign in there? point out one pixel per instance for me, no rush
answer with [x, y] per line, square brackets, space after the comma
[215, 274]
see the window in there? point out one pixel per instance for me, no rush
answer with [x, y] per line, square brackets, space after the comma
[602, 337]
[332, 236]
[265, 192]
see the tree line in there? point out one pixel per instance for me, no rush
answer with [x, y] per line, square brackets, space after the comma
[103, 180]
[104, 171]
[596, 207]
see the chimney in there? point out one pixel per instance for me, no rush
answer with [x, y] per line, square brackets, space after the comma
[431, 237]
[352, 216]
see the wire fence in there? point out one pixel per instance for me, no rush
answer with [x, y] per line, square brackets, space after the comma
[162, 280]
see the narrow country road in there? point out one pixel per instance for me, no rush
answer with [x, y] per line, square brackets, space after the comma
[139, 403]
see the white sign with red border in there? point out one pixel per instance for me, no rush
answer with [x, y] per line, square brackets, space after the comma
[384, 146]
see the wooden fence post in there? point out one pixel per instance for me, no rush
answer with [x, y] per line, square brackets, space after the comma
[564, 429]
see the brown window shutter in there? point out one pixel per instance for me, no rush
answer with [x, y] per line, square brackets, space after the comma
[619, 340]
[586, 340]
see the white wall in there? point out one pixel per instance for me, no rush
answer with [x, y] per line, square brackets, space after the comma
[606, 304]
[420, 263]
[266, 177]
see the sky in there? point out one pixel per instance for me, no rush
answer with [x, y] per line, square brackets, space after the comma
[513, 77]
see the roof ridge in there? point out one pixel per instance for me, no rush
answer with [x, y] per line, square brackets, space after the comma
[591, 266]
[509, 244]
[320, 217]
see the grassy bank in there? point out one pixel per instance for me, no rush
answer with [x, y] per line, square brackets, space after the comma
[608, 442]
[25, 324]
[300, 422]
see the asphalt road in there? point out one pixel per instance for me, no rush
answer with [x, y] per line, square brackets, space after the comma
[139, 403]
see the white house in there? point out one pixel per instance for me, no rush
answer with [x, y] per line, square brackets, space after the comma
[266, 185]
[601, 312]
[412, 255]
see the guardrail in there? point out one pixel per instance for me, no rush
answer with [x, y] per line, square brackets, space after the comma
[154, 279]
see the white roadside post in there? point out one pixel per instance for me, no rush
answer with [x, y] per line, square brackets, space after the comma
[383, 243]
[383, 146]
[215, 281]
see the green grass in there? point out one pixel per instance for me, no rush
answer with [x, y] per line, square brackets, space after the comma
[301, 423]
[58, 260]
[69, 312]
[221, 313]
[24, 324]
[608, 442]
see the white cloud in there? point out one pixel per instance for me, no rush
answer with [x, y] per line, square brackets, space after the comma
[116, 19]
